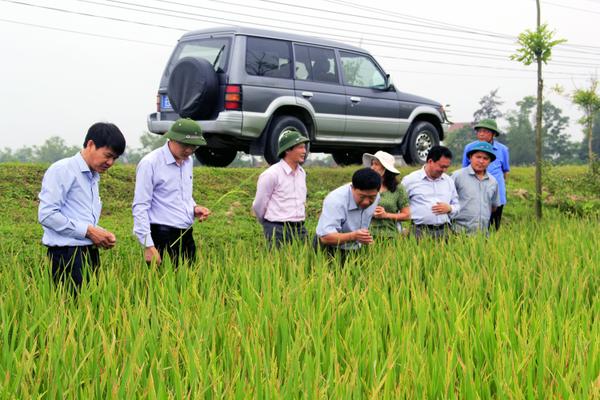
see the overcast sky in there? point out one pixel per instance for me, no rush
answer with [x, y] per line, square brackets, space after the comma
[69, 63]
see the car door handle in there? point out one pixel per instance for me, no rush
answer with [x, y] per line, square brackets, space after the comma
[308, 95]
[355, 99]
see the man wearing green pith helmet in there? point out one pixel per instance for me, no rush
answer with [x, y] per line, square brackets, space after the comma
[487, 131]
[280, 199]
[163, 206]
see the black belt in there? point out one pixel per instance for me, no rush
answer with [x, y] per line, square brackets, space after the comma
[83, 247]
[433, 227]
[290, 223]
[166, 228]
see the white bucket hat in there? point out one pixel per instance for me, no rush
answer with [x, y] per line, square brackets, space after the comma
[386, 159]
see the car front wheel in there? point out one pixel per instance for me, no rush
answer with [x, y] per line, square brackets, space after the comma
[422, 138]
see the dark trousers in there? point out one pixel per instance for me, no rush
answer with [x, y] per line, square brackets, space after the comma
[177, 243]
[278, 233]
[334, 252]
[438, 232]
[496, 217]
[68, 261]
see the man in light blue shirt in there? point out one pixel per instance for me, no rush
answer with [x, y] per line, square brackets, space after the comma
[486, 130]
[432, 196]
[347, 212]
[163, 206]
[70, 205]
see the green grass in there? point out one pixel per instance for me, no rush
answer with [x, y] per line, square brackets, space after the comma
[512, 316]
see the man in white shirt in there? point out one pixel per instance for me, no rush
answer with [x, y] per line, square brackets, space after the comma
[432, 196]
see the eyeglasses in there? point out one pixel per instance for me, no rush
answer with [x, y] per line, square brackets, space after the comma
[188, 146]
[362, 196]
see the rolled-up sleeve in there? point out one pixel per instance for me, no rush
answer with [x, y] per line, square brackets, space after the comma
[331, 219]
[454, 203]
[264, 190]
[142, 201]
[55, 187]
[496, 200]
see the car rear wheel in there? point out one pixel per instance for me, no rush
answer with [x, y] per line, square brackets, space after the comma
[279, 125]
[422, 138]
[193, 87]
[215, 157]
[342, 158]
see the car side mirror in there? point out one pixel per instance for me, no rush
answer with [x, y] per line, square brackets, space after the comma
[389, 85]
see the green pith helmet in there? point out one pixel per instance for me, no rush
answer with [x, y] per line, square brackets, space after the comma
[187, 131]
[482, 146]
[288, 139]
[489, 124]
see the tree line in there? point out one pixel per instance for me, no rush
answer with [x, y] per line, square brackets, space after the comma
[519, 132]
[519, 135]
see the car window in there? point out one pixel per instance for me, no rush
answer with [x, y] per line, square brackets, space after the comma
[268, 57]
[208, 49]
[360, 70]
[316, 64]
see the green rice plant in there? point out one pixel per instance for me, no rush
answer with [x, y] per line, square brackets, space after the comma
[513, 315]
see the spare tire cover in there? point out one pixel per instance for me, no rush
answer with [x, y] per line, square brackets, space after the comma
[193, 88]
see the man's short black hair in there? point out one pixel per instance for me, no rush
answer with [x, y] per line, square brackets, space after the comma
[105, 134]
[437, 152]
[366, 179]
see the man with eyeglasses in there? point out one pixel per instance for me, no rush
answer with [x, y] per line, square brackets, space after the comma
[163, 206]
[347, 212]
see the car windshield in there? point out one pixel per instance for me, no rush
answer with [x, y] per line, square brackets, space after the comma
[214, 50]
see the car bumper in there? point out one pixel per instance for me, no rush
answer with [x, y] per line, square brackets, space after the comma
[227, 123]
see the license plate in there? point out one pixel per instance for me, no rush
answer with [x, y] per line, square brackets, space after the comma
[165, 104]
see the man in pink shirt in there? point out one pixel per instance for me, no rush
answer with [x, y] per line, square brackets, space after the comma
[279, 204]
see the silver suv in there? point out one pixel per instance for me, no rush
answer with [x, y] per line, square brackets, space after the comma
[245, 86]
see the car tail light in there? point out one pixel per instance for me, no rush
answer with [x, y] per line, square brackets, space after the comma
[233, 97]
[158, 103]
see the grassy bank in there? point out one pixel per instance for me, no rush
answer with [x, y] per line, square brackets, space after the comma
[512, 316]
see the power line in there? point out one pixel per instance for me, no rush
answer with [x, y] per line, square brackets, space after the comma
[91, 15]
[419, 48]
[474, 65]
[370, 8]
[85, 33]
[318, 26]
[570, 8]
[163, 26]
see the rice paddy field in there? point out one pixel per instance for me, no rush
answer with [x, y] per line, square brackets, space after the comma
[515, 315]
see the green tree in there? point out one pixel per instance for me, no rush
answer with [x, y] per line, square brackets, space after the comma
[489, 107]
[53, 149]
[24, 154]
[458, 139]
[557, 146]
[520, 132]
[149, 141]
[537, 47]
[589, 102]
[6, 155]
